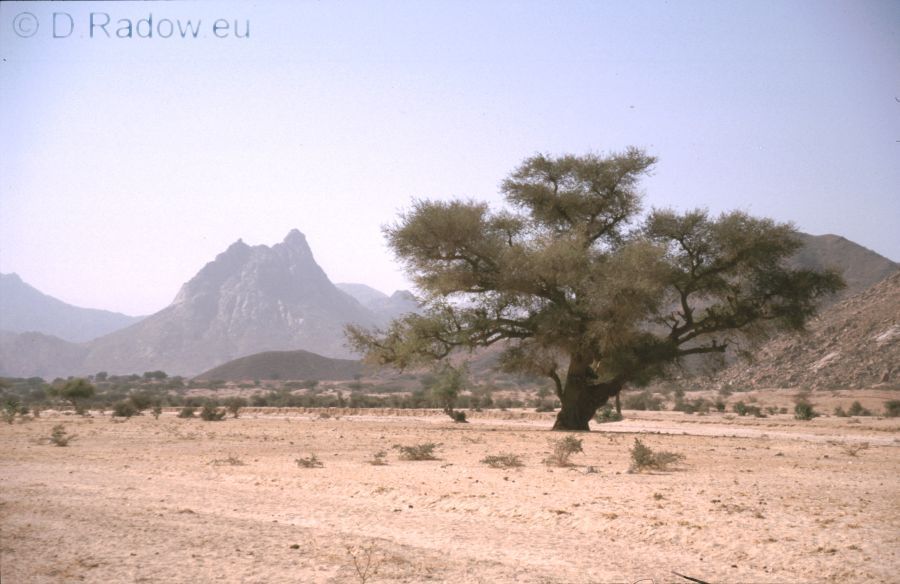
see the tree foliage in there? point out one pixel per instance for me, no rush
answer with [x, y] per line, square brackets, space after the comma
[582, 287]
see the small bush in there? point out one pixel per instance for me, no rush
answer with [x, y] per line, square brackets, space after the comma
[854, 449]
[59, 436]
[503, 460]
[562, 450]
[156, 411]
[642, 401]
[124, 409]
[234, 405]
[187, 412]
[424, 451]
[211, 413]
[607, 414]
[742, 409]
[311, 461]
[892, 408]
[643, 458]
[856, 409]
[804, 411]
[379, 458]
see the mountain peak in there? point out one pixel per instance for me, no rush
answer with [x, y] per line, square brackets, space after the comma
[295, 237]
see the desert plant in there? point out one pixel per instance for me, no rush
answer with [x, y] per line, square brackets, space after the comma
[187, 412]
[59, 436]
[379, 458]
[892, 408]
[856, 409]
[234, 405]
[10, 409]
[804, 411]
[232, 460]
[561, 450]
[311, 461]
[503, 460]
[124, 409]
[365, 561]
[423, 451]
[644, 400]
[211, 413]
[643, 458]
[156, 410]
[607, 414]
[854, 449]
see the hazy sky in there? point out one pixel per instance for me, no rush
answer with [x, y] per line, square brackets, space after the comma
[126, 164]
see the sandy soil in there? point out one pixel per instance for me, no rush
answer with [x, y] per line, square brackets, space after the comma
[172, 500]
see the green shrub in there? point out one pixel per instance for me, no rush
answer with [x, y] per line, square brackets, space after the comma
[211, 413]
[643, 458]
[856, 409]
[124, 409]
[892, 408]
[424, 451]
[234, 405]
[804, 411]
[607, 414]
[503, 460]
[562, 450]
[187, 412]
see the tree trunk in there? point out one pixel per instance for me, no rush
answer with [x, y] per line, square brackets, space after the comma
[582, 397]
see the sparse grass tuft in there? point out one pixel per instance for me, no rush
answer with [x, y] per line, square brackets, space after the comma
[232, 460]
[424, 451]
[854, 449]
[379, 458]
[643, 458]
[311, 461]
[562, 450]
[503, 460]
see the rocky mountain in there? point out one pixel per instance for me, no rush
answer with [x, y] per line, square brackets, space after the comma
[852, 344]
[248, 300]
[25, 309]
[386, 308]
[860, 266]
[288, 365]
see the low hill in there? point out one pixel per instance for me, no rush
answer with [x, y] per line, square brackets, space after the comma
[852, 344]
[285, 365]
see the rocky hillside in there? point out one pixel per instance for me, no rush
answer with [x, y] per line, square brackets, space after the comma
[852, 344]
[860, 266]
[26, 309]
[293, 365]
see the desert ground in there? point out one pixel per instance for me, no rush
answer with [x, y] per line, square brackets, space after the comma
[182, 500]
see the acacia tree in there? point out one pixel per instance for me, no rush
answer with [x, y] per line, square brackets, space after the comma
[580, 286]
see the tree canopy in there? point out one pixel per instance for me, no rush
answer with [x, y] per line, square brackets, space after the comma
[581, 286]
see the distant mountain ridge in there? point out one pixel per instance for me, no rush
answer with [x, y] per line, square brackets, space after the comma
[23, 308]
[255, 299]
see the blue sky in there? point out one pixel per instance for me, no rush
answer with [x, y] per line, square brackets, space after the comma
[128, 163]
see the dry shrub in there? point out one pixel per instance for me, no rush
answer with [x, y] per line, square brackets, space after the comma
[643, 458]
[562, 450]
[503, 460]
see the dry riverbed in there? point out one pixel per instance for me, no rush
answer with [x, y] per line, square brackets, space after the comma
[173, 500]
